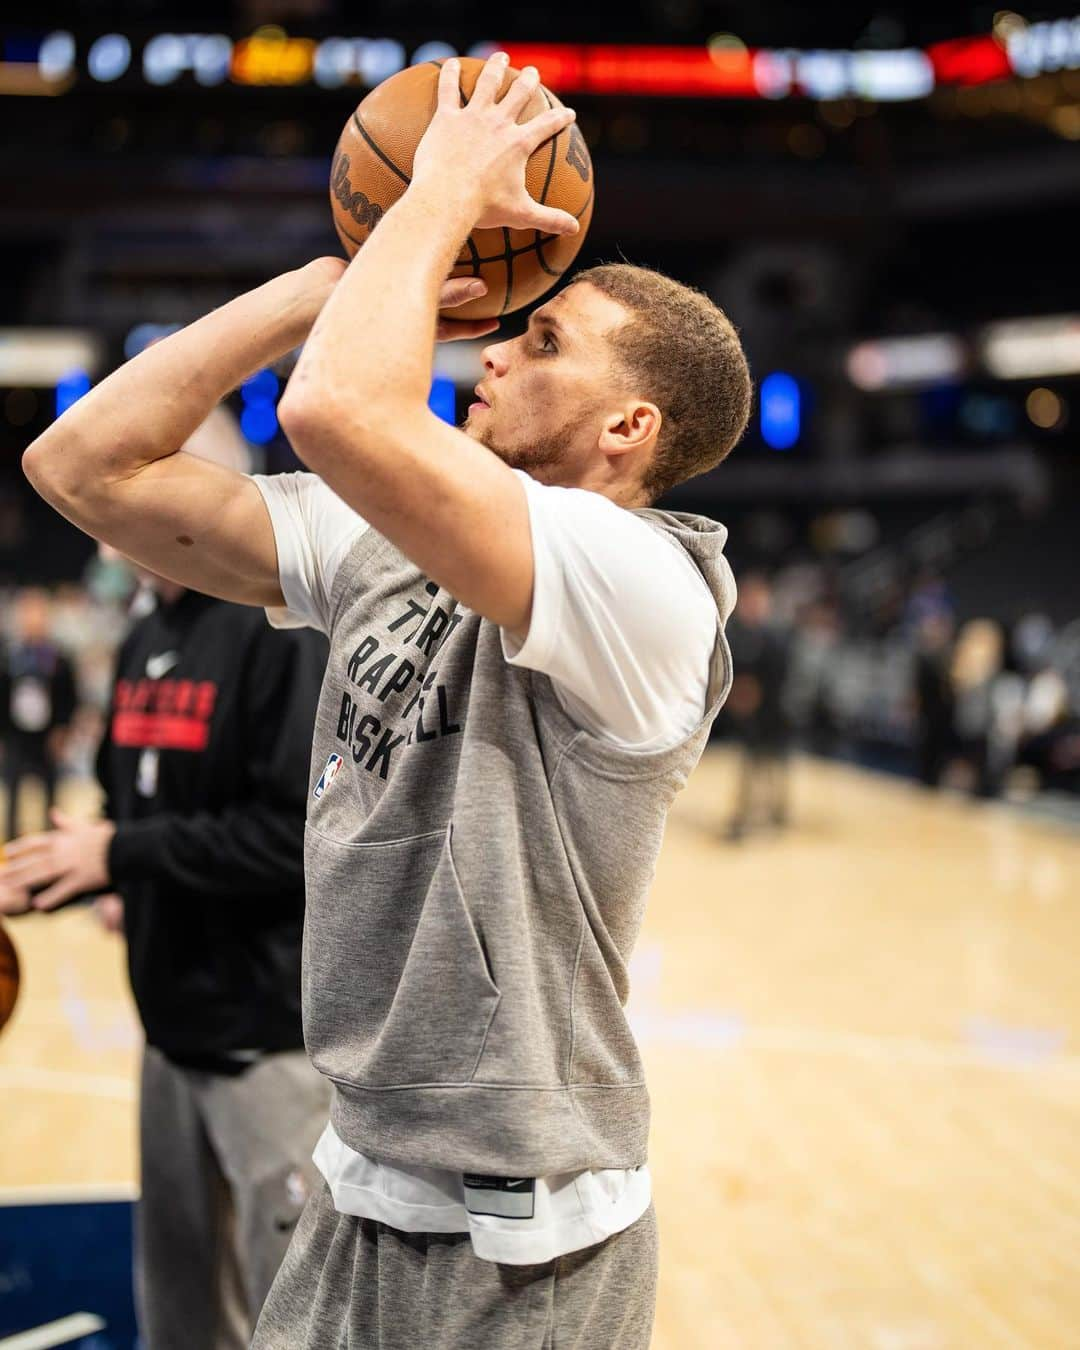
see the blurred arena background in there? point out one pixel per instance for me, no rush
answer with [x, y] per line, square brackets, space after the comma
[856, 988]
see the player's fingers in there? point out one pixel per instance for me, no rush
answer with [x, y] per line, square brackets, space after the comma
[460, 290]
[544, 125]
[449, 87]
[530, 215]
[453, 330]
[489, 81]
[521, 90]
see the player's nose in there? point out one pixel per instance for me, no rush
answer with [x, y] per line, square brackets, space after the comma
[496, 358]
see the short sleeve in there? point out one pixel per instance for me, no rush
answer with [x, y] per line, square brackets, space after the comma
[622, 623]
[313, 531]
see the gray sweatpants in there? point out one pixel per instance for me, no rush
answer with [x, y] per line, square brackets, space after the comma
[357, 1283]
[226, 1171]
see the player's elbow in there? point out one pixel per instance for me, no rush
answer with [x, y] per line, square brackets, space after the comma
[318, 422]
[50, 470]
[300, 416]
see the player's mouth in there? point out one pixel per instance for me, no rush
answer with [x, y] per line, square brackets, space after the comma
[481, 401]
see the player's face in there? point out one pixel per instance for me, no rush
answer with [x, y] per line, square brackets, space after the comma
[542, 401]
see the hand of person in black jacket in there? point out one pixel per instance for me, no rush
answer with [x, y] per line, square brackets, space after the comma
[60, 864]
[14, 899]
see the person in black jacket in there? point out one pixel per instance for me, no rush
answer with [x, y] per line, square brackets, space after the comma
[38, 699]
[205, 770]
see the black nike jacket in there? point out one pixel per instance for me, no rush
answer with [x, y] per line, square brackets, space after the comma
[205, 769]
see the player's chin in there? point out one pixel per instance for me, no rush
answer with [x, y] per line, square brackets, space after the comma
[474, 426]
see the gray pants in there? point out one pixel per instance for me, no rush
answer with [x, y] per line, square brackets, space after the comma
[226, 1171]
[356, 1283]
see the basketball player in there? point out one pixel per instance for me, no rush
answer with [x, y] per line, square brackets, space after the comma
[525, 662]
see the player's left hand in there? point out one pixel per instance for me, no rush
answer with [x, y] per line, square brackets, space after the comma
[59, 864]
[485, 148]
[456, 291]
[318, 278]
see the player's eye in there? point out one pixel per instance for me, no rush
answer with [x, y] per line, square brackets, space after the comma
[549, 344]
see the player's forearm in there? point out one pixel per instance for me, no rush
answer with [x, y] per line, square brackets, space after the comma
[147, 408]
[367, 364]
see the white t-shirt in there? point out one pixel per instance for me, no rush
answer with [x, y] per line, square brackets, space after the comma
[624, 626]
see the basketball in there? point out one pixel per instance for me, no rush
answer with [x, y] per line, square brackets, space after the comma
[9, 976]
[373, 162]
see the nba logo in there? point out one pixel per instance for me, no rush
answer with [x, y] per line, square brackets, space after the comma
[329, 773]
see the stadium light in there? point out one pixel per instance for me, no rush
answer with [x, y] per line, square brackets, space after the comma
[906, 362]
[780, 410]
[1027, 349]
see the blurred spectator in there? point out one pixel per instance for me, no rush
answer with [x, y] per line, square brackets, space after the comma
[760, 649]
[935, 702]
[976, 665]
[816, 655]
[37, 702]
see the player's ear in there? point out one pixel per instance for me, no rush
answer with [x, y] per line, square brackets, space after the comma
[635, 426]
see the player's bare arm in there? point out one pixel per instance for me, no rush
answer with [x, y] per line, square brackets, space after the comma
[112, 464]
[356, 407]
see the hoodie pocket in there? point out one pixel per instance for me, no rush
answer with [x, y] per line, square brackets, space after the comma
[397, 990]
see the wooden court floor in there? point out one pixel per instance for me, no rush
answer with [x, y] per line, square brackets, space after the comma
[862, 1045]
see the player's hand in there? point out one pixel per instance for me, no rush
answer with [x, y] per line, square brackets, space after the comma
[456, 291]
[485, 148]
[59, 864]
[321, 275]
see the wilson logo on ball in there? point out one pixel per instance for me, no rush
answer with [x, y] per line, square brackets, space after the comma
[366, 213]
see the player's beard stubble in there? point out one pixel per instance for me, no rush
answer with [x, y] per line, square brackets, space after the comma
[538, 454]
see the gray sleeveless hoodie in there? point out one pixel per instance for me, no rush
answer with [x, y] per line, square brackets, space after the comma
[477, 870]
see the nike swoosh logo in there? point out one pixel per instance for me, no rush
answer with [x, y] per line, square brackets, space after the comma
[156, 666]
[518, 1185]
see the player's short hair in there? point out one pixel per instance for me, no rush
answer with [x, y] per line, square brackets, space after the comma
[683, 354]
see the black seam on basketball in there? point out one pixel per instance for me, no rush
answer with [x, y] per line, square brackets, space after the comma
[344, 234]
[500, 257]
[384, 157]
[525, 248]
[551, 159]
[539, 241]
[508, 257]
[474, 254]
[542, 260]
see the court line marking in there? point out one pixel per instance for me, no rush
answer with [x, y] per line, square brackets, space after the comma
[60, 1080]
[715, 1032]
[81, 1193]
[61, 1332]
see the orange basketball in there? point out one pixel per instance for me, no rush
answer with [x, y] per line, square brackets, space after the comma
[9, 976]
[374, 158]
